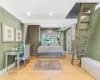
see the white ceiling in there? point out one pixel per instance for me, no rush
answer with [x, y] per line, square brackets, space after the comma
[40, 9]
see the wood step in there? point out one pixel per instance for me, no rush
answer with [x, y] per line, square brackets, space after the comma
[80, 54]
[83, 29]
[82, 36]
[81, 42]
[76, 59]
[79, 49]
[88, 5]
[85, 22]
[84, 13]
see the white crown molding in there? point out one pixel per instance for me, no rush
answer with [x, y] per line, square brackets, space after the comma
[50, 22]
[10, 8]
[87, 1]
[97, 6]
[7, 5]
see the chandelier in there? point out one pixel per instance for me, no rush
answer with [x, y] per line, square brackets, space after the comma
[49, 31]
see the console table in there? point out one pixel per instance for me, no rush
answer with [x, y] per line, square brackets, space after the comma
[13, 53]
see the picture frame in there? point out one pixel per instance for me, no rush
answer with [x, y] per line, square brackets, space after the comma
[18, 35]
[7, 33]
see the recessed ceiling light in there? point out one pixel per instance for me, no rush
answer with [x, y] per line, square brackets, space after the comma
[62, 26]
[28, 13]
[50, 13]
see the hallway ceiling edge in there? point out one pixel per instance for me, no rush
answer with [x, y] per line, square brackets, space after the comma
[39, 14]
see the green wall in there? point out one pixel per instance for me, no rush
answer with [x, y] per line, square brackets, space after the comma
[9, 20]
[51, 37]
[65, 38]
[93, 46]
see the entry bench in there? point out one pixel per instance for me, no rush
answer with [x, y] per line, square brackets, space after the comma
[91, 66]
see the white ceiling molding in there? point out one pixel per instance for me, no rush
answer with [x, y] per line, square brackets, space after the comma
[97, 6]
[63, 29]
[51, 22]
[40, 10]
[66, 27]
[10, 8]
[88, 1]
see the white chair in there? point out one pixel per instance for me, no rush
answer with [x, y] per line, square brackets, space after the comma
[26, 55]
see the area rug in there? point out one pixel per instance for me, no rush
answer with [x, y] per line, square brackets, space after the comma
[47, 65]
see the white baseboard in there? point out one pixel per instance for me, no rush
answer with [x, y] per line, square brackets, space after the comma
[9, 67]
[91, 66]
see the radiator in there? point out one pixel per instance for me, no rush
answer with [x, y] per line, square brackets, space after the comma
[91, 66]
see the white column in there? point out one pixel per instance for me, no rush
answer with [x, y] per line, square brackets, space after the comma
[18, 62]
[73, 36]
[24, 32]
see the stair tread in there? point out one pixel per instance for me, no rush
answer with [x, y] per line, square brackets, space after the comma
[79, 54]
[86, 9]
[85, 21]
[83, 29]
[82, 42]
[88, 5]
[80, 49]
[85, 13]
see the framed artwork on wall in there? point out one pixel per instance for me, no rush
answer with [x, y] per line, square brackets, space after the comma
[7, 33]
[18, 35]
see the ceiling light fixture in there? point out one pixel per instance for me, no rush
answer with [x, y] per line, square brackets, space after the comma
[28, 13]
[50, 13]
[49, 31]
[62, 26]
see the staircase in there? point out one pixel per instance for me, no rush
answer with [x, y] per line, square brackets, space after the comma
[82, 33]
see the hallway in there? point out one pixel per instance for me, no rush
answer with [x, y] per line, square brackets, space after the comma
[69, 72]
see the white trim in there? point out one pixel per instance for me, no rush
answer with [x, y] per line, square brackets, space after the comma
[9, 67]
[91, 66]
[97, 6]
[24, 31]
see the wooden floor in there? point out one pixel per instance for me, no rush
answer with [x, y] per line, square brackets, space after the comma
[69, 72]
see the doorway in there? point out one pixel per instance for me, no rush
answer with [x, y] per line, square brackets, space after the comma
[68, 41]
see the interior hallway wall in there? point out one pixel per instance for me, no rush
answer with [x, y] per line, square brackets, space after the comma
[62, 39]
[9, 20]
[70, 39]
[51, 38]
[73, 29]
[65, 40]
[68, 44]
[93, 46]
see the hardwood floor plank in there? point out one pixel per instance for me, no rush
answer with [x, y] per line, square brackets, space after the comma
[69, 72]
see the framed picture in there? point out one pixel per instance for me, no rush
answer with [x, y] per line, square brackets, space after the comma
[7, 33]
[18, 35]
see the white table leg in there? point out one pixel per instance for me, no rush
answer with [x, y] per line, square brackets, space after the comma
[6, 62]
[18, 62]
